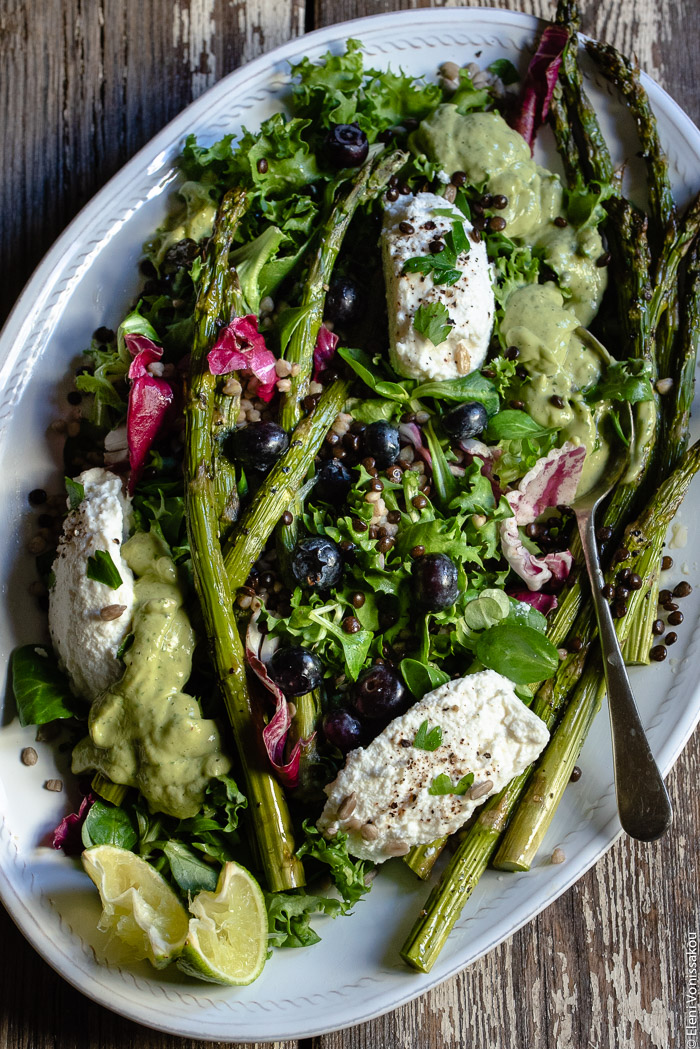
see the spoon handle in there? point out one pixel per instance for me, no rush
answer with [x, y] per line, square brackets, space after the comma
[642, 801]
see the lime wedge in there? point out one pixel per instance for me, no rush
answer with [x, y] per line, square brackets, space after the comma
[227, 941]
[138, 905]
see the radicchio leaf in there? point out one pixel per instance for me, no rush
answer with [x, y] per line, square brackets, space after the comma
[324, 350]
[539, 83]
[67, 834]
[150, 398]
[241, 347]
[552, 481]
[259, 648]
[411, 432]
[544, 603]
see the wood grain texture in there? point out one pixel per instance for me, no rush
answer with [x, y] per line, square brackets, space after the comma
[84, 84]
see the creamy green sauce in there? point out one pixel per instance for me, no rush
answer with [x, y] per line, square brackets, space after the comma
[540, 319]
[194, 220]
[145, 732]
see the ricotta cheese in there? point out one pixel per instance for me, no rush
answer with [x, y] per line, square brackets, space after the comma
[470, 301]
[381, 798]
[85, 642]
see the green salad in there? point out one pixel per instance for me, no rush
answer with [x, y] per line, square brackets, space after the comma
[316, 602]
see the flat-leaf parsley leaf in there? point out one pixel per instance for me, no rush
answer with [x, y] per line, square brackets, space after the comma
[428, 740]
[433, 321]
[102, 569]
[442, 784]
[76, 493]
[443, 264]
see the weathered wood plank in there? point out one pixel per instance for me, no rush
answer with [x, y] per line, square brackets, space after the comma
[86, 84]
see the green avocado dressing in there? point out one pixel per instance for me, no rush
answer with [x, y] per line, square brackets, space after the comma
[540, 319]
[144, 731]
[193, 220]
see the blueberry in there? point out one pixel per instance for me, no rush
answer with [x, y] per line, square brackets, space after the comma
[436, 581]
[381, 441]
[343, 302]
[296, 670]
[467, 420]
[347, 145]
[333, 482]
[317, 563]
[342, 730]
[380, 694]
[258, 445]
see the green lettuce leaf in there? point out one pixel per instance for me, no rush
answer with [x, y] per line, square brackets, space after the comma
[41, 692]
[289, 917]
[347, 873]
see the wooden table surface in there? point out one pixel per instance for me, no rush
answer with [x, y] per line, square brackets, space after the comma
[83, 85]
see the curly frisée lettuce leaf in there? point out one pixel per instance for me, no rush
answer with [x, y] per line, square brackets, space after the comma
[280, 141]
[340, 91]
[628, 381]
[348, 874]
[289, 917]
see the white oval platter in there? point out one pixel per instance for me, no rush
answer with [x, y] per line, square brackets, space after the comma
[87, 279]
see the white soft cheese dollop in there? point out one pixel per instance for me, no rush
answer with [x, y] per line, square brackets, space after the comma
[86, 644]
[486, 730]
[470, 302]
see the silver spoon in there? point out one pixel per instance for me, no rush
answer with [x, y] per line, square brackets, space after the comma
[642, 800]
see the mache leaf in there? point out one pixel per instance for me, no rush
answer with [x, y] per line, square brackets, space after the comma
[41, 692]
[108, 825]
[422, 677]
[513, 424]
[518, 652]
[190, 872]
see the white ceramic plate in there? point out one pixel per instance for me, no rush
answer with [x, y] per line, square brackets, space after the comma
[86, 280]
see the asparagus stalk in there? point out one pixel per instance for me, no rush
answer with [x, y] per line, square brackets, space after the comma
[536, 809]
[304, 726]
[422, 858]
[224, 418]
[370, 181]
[594, 154]
[446, 901]
[271, 824]
[564, 136]
[624, 74]
[246, 542]
[669, 263]
[681, 395]
[112, 792]
[644, 540]
[677, 402]
[227, 402]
